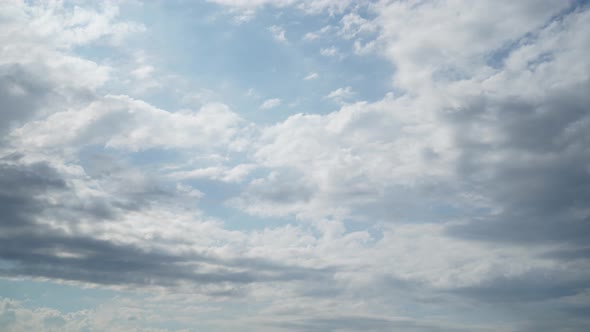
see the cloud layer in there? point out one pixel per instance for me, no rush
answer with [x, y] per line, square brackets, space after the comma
[457, 200]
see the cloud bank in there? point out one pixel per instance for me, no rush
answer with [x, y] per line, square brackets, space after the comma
[456, 200]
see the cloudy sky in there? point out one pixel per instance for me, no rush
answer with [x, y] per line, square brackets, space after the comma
[294, 165]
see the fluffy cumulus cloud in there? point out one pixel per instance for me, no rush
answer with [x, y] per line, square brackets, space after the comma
[453, 197]
[120, 122]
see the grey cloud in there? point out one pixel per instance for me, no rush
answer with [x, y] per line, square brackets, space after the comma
[19, 187]
[26, 94]
[539, 183]
[282, 190]
[108, 263]
[276, 194]
[543, 184]
[21, 95]
[7, 317]
[29, 248]
[569, 254]
[528, 155]
[554, 324]
[364, 323]
[125, 187]
[537, 285]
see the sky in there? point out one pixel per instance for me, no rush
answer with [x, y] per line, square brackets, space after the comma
[294, 165]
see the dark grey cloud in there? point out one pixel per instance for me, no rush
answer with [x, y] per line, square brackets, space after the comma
[539, 182]
[570, 254]
[108, 263]
[19, 187]
[542, 182]
[536, 285]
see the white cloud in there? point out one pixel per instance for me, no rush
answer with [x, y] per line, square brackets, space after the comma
[278, 33]
[189, 191]
[40, 36]
[353, 25]
[225, 174]
[311, 76]
[399, 198]
[270, 103]
[368, 152]
[361, 48]
[121, 122]
[423, 52]
[331, 51]
[252, 93]
[143, 72]
[311, 36]
[349, 154]
[56, 24]
[340, 94]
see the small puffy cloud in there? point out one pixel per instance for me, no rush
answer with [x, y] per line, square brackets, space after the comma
[340, 94]
[278, 33]
[352, 25]
[329, 51]
[143, 72]
[189, 191]
[318, 33]
[361, 48]
[311, 36]
[252, 93]
[311, 76]
[270, 103]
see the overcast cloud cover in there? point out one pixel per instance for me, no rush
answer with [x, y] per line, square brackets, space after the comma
[293, 165]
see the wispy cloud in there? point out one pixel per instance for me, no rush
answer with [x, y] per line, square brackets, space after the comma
[340, 94]
[331, 51]
[270, 103]
[311, 36]
[311, 76]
